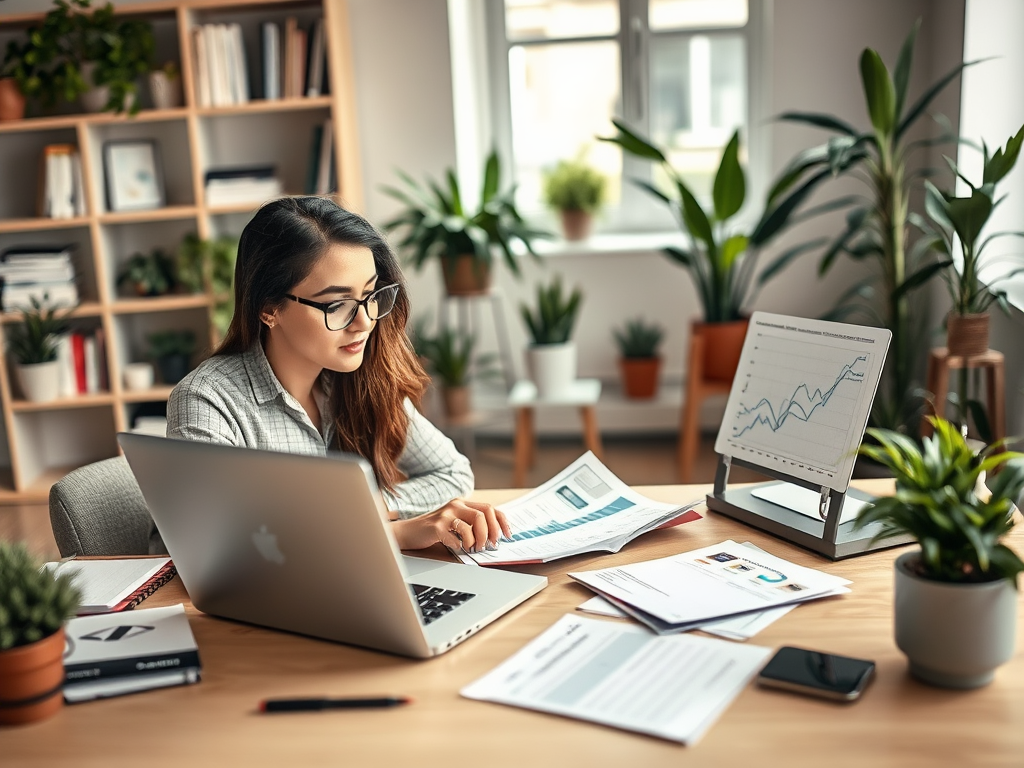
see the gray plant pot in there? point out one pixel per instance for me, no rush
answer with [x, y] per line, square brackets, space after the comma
[954, 635]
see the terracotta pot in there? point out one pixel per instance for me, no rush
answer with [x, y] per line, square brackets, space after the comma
[640, 376]
[967, 335]
[723, 343]
[465, 275]
[576, 225]
[32, 680]
[457, 403]
[12, 103]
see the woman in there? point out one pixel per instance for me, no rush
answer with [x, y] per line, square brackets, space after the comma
[316, 358]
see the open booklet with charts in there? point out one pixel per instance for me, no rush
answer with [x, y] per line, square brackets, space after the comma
[584, 508]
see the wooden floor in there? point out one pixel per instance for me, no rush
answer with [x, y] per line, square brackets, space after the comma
[636, 460]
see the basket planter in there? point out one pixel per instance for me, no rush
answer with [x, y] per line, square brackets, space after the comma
[954, 635]
[576, 224]
[12, 103]
[465, 275]
[723, 343]
[967, 335]
[39, 382]
[32, 680]
[552, 368]
[640, 376]
[165, 91]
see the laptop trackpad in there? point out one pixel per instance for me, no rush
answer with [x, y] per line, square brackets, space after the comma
[413, 566]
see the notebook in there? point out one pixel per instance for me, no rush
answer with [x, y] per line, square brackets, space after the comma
[115, 585]
[303, 544]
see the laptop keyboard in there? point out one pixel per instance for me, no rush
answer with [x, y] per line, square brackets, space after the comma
[436, 602]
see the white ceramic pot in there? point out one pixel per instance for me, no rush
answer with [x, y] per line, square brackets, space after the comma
[954, 635]
[165, 91]
[96, 98]
[40, 382]
[552, 368]
[138, 376]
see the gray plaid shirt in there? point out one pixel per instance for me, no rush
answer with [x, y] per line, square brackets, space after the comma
[237, 399]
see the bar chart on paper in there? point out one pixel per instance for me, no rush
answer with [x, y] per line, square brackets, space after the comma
[802, 394]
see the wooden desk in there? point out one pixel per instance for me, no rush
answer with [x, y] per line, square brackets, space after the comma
[898, 722]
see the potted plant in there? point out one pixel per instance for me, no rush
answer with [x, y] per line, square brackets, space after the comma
[438, 226]
[199, 260]
[576, 191]
[34, 604]
[172, 351]
[165, 86]
[33, 343]
[640, 363]
[551, 358]
[12, 99]
[956, 597]
[151, 273]
[878, 224]
[449, 357]
[78, 51]
[721, 259]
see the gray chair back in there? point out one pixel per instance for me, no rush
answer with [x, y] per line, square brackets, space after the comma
[98, 509]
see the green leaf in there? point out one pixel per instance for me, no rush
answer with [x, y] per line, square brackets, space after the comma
[969, 214]
[774, 219]
[781, 261]
[922, 103]
[1003, 160]
[731, 249]
[879, 92]
[730, 186]
[920, 277]
[695, 219]
[820, 121]
[901, 75]
[492, 174]
[683, 257]
[633, 143]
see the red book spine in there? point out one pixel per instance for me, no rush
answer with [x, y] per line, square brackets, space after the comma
[78, 354]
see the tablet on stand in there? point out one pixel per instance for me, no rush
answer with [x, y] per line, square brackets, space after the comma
[797, 412]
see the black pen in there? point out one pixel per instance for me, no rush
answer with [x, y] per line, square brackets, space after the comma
[316, 705]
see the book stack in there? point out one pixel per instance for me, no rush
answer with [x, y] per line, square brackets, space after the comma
[83, 362]
[294, 60]
[222, 77]
[111, 654]
[242, 185]
[61, 193]
[41, 272]
[321, 177]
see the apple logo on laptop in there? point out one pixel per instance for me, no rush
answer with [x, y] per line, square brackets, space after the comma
[266, 545]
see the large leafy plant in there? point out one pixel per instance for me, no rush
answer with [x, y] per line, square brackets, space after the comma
[721, 259]
[34, 339]
[961, 219]
[553, 318]
[34, 602]
[436, 224]
[878, 224]
[937, 502]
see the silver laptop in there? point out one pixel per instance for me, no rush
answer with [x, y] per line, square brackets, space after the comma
[302, 543]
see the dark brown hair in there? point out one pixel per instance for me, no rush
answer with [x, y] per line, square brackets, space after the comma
[277, 250]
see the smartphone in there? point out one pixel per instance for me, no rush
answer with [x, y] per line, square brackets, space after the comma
[817, 674]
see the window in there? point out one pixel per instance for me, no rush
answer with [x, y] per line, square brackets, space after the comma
[674, 70]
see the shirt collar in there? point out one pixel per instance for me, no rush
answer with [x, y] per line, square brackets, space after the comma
[265, 385]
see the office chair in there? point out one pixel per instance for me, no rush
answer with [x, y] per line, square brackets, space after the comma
[98, 509]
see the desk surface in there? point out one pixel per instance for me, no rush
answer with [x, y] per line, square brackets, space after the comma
[898, 722]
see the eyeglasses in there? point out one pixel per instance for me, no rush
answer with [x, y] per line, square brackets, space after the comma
[339, 315]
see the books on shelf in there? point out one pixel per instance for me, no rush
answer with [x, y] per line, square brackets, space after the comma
[294, 59]
[222, 75]
[83, 362]
[584, 508]
[111, 654]
[241, 185]
[321, 178]
[61, 191]
[271, 37]
[43, 272]
[117, 584]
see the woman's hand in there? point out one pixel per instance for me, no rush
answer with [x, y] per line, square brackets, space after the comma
[470, 525]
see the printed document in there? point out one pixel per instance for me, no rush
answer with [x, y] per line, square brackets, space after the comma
[684, 591]
[620, 675]
[585, 508]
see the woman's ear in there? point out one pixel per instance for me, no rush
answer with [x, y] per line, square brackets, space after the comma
[269, 319]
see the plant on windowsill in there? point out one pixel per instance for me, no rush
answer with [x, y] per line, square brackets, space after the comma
[33, 343]
[721, 259]
[956, 597]
[172, 352]
[551, 359]
[34, 604]
[449, 356]
[437, 225]
[151, 273]
[576, 190]
[640, 362]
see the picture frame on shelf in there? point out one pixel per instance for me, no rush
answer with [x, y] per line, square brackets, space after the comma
[133, 175]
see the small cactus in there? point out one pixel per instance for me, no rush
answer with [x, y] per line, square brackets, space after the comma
[33, 602]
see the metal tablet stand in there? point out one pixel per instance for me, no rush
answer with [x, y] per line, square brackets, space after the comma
[827, 537]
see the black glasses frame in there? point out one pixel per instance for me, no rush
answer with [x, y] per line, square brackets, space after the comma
[325, 306]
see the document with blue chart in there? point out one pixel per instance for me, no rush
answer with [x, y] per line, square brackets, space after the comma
[584, 508]
[801, 397]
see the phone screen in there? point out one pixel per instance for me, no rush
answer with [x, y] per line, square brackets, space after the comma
[825, 674]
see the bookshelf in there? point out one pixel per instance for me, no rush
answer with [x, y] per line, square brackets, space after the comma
[40, 442]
